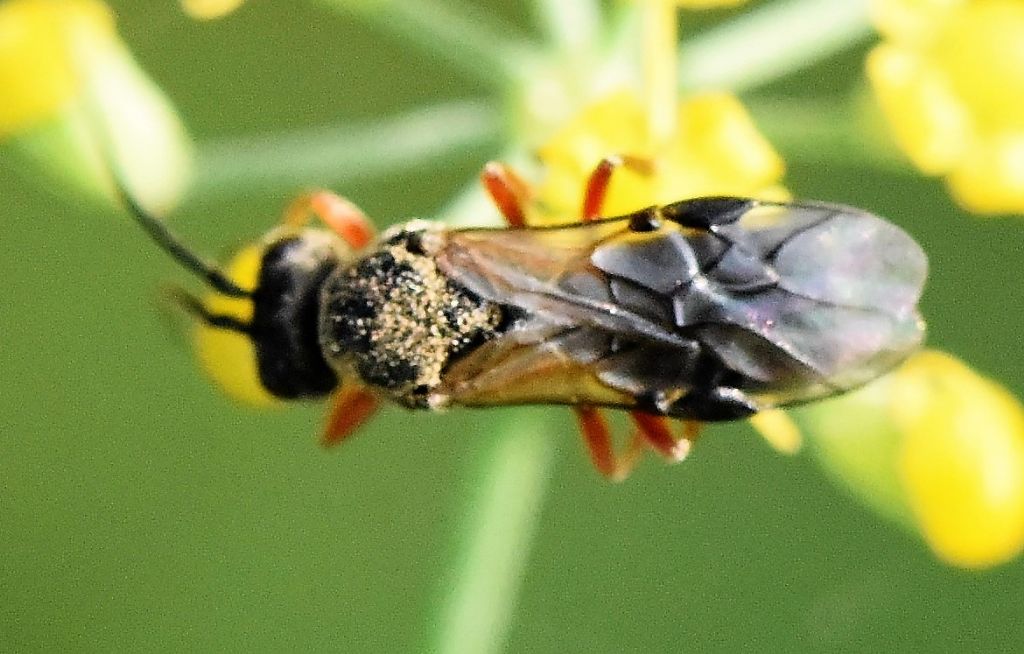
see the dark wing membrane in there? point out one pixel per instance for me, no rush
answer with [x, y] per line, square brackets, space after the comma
[841, 301]
[786, 302]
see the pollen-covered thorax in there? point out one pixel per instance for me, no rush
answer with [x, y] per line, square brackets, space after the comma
[398, 321]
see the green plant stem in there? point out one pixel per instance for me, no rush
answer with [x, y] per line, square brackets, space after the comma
[770, 42]
[468, 39]
[572, 26]
[326, 155]
[501, 517]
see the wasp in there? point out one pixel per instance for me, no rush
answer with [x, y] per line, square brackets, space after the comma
[707, 309]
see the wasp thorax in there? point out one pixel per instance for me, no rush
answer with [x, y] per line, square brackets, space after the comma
[400, 321]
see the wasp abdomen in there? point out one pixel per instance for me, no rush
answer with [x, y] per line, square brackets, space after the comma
[400, 321]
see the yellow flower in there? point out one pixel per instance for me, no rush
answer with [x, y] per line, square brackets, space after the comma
[38, 76]
[76, 106]
[209, 9]
[937, 447]
[949, 77]
[715, 150]
[698, 4]
[707, 4]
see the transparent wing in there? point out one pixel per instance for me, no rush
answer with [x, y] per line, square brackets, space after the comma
[786, 302]
[805, 298]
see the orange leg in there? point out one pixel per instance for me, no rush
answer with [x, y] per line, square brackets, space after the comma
[508, 191]
[510, 194]
[597, 184]
[598, 439]
[353, 406]
[656, 433]
[343, 217]
[691, 430]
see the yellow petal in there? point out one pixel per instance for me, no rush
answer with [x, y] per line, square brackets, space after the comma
[778, 430]
[716, 131]
[150, 146]
[715, 149]
[990, 179]
[209, 9]
[962, 460]
[615, 125]
[92, 112]
[983, 58]
[928, 120]
[708, 4]
[913, 21]
[38, 74]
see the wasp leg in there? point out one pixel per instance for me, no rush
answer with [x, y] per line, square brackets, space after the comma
[343, 217]
[691, 430]
[597, 184]
[655, 431]
[508, 191]
[598, 439]
[353, 405]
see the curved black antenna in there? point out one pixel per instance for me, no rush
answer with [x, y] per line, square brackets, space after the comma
[170, 244]
[157, 231]
[194, 306]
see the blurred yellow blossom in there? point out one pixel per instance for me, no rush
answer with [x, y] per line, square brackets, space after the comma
[707, 4]
[778, 429]
[698, 4]
[210, 9]
[37, 56]
[715, 150]
[937, 447]
[75, 104]
[949, 76]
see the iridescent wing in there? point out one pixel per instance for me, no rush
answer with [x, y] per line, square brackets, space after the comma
[711, 308]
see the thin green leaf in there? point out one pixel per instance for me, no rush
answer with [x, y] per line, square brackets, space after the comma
[572, 27]
[325, 155]
[765, 44]
[469, 39]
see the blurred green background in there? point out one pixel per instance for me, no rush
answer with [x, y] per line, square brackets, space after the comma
[142, 511]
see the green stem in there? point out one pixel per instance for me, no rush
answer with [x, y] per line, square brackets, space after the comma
[326, 155]
[503, 513]
[763, 45]
[466, 38]
[572, 26]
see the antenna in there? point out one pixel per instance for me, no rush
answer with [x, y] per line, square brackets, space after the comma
[170, 244]
[159, 232]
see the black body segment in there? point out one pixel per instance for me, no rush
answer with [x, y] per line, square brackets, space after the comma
[712, 308]
[286, 309]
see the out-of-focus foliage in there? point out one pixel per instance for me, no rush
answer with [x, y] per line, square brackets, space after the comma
[75, 104]
[936, 446]
[202, 525]
[949, 76]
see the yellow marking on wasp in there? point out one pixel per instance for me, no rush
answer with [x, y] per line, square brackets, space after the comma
[229, 357]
